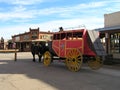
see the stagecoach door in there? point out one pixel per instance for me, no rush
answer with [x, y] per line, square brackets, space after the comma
[62, 48]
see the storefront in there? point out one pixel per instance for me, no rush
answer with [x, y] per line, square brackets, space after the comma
[110, 34]
[24, 41]
[110, 37]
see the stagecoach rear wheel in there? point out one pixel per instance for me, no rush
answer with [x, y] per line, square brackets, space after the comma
[47, 58]
[95, 64]
[74, 60]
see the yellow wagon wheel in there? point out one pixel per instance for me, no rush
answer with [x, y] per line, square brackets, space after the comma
[74, 60]
[47, 58]
[95, 64]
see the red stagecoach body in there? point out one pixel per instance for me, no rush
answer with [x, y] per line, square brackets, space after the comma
[62, 42]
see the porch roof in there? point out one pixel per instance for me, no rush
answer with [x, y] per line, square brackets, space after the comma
[109, 29]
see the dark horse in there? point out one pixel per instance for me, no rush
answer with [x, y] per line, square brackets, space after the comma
[37, 49]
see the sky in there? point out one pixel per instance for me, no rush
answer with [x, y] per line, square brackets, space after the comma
[17, 16]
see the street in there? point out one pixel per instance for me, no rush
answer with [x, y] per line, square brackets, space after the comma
[24, 74]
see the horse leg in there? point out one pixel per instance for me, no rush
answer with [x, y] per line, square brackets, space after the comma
[39, 57]
[33, 57]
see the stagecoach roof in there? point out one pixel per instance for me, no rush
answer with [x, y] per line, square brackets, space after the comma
[74, 30]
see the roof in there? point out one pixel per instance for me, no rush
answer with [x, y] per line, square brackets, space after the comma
[107, 29]
[67, 31]
[43, 32]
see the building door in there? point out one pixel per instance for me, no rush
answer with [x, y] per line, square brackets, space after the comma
[21, 49]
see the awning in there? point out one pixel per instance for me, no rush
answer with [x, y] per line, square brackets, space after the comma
[107, 29]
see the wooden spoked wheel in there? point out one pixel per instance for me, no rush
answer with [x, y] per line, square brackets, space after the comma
[47, 58]
[95, 64]
[74, 60]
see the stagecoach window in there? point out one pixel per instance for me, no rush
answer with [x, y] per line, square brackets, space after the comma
[63, 35]
[69, 35]
[56, 37]
[77, 34]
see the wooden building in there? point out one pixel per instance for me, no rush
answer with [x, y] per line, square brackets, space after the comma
[110, 34]
[23, 41]
[2, 43]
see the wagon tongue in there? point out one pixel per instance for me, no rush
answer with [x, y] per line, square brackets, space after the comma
[97, 45]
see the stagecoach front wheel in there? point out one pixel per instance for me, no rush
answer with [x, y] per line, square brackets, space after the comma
[95, 64]
[74, 60]
[47, 58]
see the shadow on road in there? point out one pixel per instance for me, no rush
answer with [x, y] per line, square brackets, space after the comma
[56, 75]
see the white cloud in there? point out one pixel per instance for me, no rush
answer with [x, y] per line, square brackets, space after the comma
[52, 26]
[89, 5]
[90, 23]
[12, 16]
[69, 9]
[22, 14]
[22, 2]
[19, 8]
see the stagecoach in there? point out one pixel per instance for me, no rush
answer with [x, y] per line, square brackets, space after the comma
[75, 47]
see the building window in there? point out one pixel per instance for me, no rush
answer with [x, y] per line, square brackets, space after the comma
[26, 37]
[40, 37]
[115, 43]
[34, 35]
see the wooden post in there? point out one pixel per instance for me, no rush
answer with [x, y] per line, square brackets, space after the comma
[15, 54]
[14, 46]
[106, 41]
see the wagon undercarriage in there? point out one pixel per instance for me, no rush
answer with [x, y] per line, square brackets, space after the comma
[74, 60]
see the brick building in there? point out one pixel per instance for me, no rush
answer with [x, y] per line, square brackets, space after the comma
[23, 41]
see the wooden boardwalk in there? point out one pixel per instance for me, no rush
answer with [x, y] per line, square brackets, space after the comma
[8, 50]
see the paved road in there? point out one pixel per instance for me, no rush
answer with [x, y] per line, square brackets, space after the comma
[27, 75]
